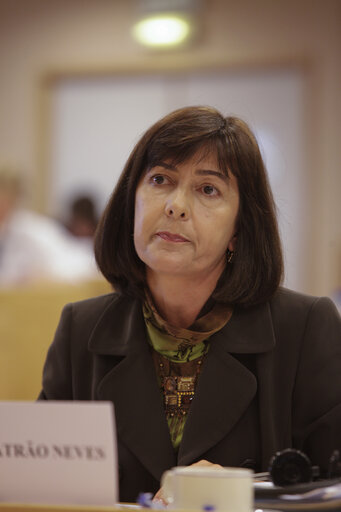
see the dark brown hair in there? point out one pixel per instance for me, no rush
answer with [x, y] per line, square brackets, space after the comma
[257, 267]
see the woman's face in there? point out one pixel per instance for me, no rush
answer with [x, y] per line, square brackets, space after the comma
[185, 217]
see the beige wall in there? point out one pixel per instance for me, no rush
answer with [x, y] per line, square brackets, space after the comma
[39, 37]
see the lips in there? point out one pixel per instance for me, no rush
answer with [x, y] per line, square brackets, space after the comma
[171, 237]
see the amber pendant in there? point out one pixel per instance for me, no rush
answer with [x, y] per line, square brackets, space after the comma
[178, 393]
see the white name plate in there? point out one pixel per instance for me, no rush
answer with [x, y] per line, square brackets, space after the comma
[61, 453]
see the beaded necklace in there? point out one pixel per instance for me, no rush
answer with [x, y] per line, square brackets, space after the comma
[178, 356]
[178, 382]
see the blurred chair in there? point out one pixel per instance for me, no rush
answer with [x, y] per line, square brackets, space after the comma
[28, 320]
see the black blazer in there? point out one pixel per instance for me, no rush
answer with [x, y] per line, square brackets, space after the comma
[271, 380]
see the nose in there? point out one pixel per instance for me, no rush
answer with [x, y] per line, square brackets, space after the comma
[177, 207]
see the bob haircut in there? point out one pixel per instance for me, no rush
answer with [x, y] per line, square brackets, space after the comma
[256, 270]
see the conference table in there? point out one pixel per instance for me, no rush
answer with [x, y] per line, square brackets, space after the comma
[12, 507]
[120, 507]
[16, 507]
[9, 507]
[331, 501]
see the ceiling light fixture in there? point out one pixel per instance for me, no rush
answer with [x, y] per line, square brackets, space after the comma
[162, 30]
[165, 23]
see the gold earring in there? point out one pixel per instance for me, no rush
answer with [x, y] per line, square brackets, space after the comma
[229, 255]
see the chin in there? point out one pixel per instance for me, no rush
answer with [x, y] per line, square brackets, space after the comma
[170, 266]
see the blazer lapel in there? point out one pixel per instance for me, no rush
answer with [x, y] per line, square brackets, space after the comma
[226, 387]
[132, 386]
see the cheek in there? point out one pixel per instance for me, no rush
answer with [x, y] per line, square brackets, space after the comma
[143, 217]
[217, 229]
[138, 217]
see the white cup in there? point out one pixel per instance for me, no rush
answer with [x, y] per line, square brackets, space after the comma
[205, 488]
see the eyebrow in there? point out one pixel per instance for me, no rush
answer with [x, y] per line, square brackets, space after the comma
[201, 172]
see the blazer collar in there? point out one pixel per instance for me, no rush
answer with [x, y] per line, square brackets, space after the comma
[249, 331]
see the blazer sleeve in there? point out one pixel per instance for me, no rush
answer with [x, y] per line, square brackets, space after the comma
[317, 390]
[57, 374]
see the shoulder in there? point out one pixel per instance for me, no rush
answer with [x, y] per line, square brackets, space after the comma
[94, 304]
[297, 312]
[100, 318]
[292, 302]
[111, 312]
[90, 310]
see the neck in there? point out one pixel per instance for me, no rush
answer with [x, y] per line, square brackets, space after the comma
[179, 300]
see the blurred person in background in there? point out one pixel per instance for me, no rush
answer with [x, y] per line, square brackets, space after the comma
[35, 248]
[81, 221]
[83, 217]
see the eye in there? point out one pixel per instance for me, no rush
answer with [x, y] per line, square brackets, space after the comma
[159, 179]
[209, 190]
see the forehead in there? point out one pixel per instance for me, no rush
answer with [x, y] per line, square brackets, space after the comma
[202, 155]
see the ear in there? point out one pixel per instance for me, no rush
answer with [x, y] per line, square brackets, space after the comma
[232, 243]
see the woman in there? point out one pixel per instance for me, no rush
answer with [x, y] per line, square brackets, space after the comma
[204, 356]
